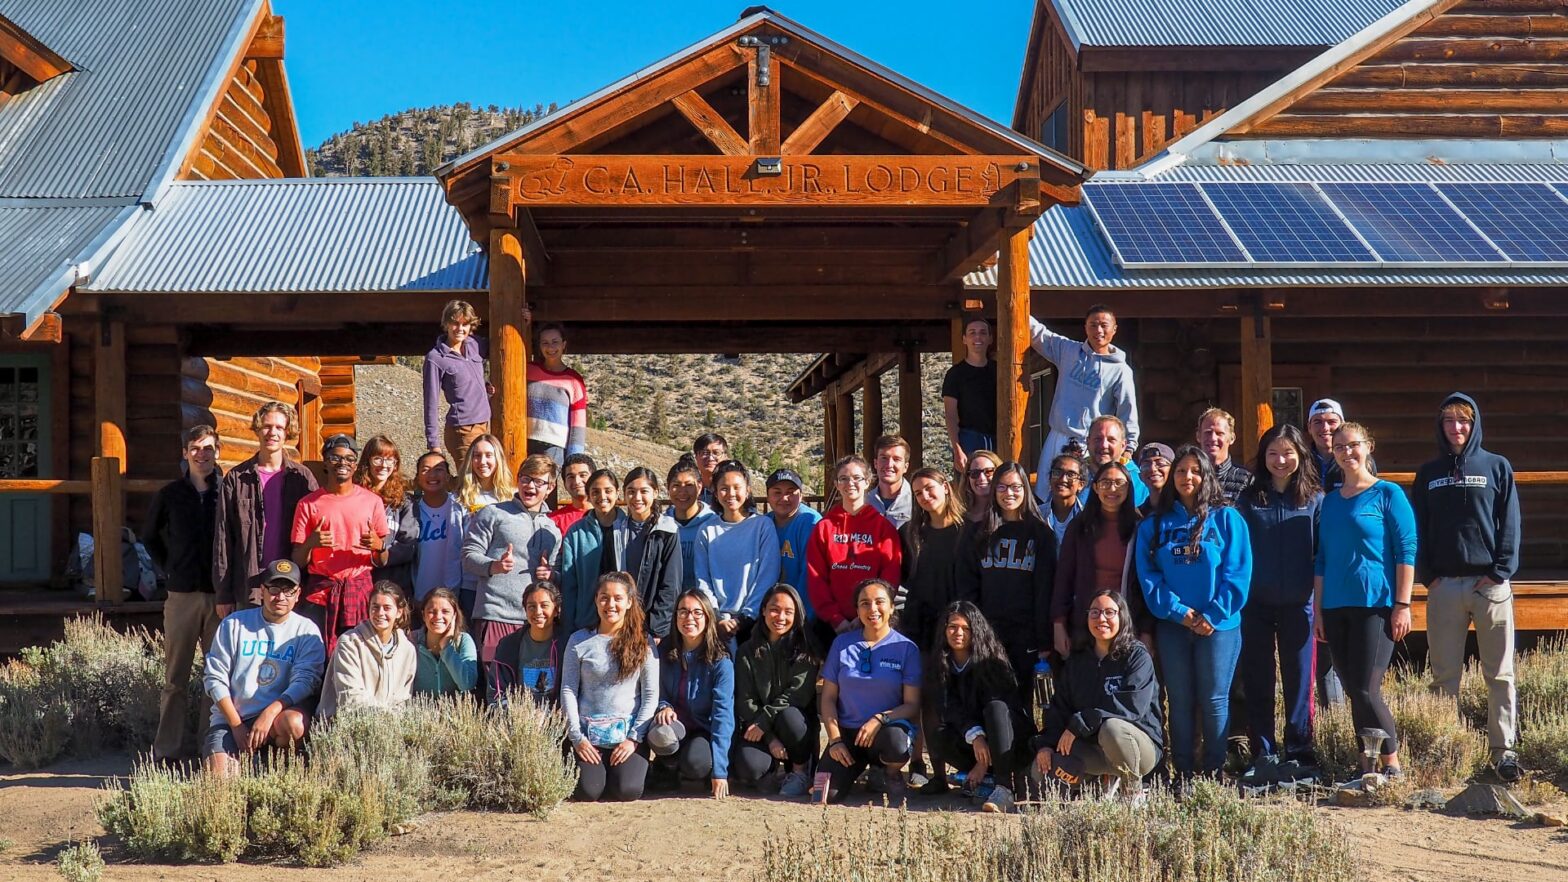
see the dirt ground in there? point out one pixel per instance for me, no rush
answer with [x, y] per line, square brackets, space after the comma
[652, 840]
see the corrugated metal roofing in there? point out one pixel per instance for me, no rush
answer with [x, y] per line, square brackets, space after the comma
[145, 72]
[298, 235]
[1227, 23]
[792, 27]
[43, 245]
[1544, 173]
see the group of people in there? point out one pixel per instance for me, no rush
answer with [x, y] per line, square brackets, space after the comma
[907, 629]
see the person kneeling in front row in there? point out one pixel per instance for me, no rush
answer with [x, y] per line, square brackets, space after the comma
[695, 721]
[1105, 716]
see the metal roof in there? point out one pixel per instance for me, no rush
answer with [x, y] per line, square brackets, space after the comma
[789, 26]
[45, 247]
[298, 236]
[1227, 23]
[119, 124]
[1534, 173]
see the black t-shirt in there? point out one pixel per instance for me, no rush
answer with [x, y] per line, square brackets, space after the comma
[975, 390]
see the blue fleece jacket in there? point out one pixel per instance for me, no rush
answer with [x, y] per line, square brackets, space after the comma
[1214, 580]
[703, 697]
[792, 549]
[1360, 542]
[1284, 540]
[737, 562]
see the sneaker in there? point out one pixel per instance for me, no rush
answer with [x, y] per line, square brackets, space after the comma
[998, 802]
[1297, 771]
[1508, 768]
[919, 780]
[1266, 772]
[895, 788]
[1113, 786]
[795, 784]
[1137, 797]
[1393, 773]
[932, 787]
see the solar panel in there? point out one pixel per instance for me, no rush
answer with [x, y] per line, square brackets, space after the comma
[1528, 221]
[1410, 223]
[1286, 223]
[1160, 224]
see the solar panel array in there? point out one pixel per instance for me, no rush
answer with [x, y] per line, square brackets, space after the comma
[1299, 224]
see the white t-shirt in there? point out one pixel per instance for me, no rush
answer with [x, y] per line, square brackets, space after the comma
[438, 563]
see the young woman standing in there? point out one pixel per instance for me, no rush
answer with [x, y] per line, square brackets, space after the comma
[976, 487]
[776, 695]
[971, 705]
[1007, 568]
[1281, 509]
[696, 717]
[737, 554]
[853, 542]
[448, 661]
[930, 557]
[381, 472]
[373, 664]
[1365, 570]
[653, 550]
[870, 697]
[1194, 561]
[483, 480]
[609, 692]
[1095, 554]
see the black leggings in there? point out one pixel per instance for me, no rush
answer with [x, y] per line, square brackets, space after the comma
[1362, 644]
[891, 747]
[1007, 733]
[751, 761]
[622, 783]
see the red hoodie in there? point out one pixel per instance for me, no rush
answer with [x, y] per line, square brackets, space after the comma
[844, 551]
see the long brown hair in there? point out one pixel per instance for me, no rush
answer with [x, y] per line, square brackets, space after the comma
[709, 647]
[393, 590]
[629, 646]
[953, 511]
[395, 491]
[459, 623]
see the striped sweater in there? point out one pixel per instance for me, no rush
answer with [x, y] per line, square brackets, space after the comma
[557, 408]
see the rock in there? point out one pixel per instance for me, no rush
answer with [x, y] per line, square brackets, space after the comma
[1372, 782]
[1549, 820]
[1489, 799]
[1429, 799]
[1352, 795]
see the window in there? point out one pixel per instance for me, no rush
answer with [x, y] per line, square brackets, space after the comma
[1053, 132]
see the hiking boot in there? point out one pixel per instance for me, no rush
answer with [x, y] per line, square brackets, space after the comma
[795, 784]
[932, 787]
[1508, 768]
[998, 802]
[1297, 771]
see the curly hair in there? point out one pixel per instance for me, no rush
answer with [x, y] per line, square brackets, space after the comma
[987, 658]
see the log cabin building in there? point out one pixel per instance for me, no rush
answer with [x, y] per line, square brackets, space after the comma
[763, 190]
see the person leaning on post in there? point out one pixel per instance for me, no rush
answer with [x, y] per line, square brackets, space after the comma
[262, 674]
[969, 395]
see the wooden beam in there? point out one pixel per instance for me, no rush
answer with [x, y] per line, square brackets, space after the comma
[268, 42]
[973, 245]
[829, 442]
[870, 416]
[536, 256]
[44, 329]
[28, 54]
[956, 335]
[822, 121]
[1257, 384]
[744, 237]
[284, 128]
[1474, 76]
[1012, 335]
[762, 102]
[710, 123]
[674, 303]
[911, 420]
[109, 378]
[1192, 59]
[1397, 125]
[108, 518]
[843, 426]
[509, 344]
[679, 180]
[1434, 101]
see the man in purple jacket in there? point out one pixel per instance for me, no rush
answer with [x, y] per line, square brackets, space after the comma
[455, 370]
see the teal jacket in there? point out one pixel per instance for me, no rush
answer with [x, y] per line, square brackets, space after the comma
[455, 670]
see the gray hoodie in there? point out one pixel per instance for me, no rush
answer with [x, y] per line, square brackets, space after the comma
[532, 535]
[1087, 385]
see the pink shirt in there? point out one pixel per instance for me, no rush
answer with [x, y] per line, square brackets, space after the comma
[275, 529]
[346, 516]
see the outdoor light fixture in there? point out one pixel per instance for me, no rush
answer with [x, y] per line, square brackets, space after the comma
[770, 165]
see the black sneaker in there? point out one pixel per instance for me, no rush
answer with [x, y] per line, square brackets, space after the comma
[1508, 768]
[1266, 772]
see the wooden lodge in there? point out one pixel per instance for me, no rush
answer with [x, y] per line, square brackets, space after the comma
[763, 190]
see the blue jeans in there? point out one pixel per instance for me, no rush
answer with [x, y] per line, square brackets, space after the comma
[970, 441]
[1198, 674]
[1263, 626]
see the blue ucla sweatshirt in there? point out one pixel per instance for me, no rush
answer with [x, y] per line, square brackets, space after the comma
[1213, 578]
[254, 662]
[792, 549]
[1360, 542]
[703, 697]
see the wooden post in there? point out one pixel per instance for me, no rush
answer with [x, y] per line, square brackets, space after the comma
[911, 422]
[960, 351]
[843, 424]
[1012, 341]
[829, 441]
[1257, 384]
[109, 371]
[871, 416]
[108, 517]
[508, 345]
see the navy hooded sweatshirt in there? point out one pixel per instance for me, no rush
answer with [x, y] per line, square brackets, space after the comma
[1284, 539]
[1467, 509]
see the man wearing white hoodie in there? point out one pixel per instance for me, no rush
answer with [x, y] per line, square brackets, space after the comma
[1093, 379]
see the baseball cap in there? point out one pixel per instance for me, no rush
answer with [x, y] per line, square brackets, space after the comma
[340, 440]
[785, 475]
[1325, 405]
[282, 570]
[1153, 449]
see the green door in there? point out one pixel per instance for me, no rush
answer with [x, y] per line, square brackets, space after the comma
[25, 452]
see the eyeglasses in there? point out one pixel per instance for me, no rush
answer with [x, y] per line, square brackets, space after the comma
[710, 454]
[851, 479]
[337, 459]
[1057, 474]
[1349, 446]
[1009, 488]
[690, 614]
[1110, 485]
[1097, 613]
[976, 473]
[531, 481]
[282, 588]
[383, 460]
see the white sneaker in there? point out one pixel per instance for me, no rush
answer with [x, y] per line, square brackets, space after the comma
[998, 802]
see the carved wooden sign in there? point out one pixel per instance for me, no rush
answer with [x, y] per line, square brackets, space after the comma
[736, 180]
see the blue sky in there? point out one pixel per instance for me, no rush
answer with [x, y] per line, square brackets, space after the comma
[352, 60]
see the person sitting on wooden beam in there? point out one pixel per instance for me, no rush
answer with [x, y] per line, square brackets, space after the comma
[1093, 379]
[455, 370]
[969, 395]
[557, 400]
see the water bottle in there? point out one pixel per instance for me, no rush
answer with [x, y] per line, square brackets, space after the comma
[1042, 683]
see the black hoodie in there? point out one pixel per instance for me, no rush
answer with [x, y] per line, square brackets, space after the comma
[1467, 509]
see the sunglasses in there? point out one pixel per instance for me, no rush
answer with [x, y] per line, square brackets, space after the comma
[864, 664]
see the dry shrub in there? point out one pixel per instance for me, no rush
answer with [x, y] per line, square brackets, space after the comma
[1210, 834]
[171, 815]
[81, 862]
[1436, 747]
[506, 758]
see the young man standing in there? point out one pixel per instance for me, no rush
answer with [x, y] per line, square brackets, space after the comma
[338, 536]
[178, 536]
[1467, 521]
[1066, 477]
[557, 400]
[263, 668]
[1216, 433]
[1093, 379]
[1323, 417]
[794, 523]
[969, 396]
[891, 495]
[438, 559]
[455, 370]
[256, 502]
[574, 480]
[1108, 444]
